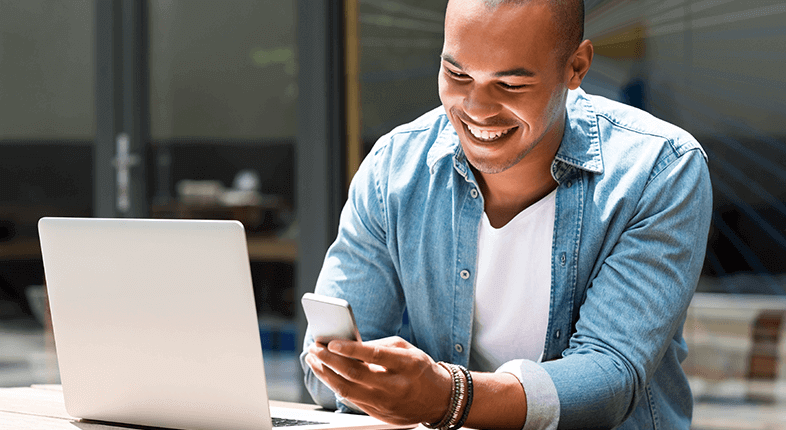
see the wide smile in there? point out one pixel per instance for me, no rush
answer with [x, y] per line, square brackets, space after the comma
[485, 134]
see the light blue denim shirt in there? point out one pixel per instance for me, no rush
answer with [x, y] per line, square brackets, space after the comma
[632, 216]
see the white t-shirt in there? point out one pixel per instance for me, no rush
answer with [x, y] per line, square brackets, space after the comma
[513, 287]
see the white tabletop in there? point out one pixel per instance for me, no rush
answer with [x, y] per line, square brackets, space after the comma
[42, 407]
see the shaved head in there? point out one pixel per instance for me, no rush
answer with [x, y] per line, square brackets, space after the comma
[568, 18]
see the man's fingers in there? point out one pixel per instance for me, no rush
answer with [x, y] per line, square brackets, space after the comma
[348, 368]
[388, 379]
[325, 373]
[336, 380]
[372, 399]
[393, 341]
[380, 353]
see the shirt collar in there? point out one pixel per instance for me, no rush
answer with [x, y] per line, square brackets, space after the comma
[447, 143]
[580, 145]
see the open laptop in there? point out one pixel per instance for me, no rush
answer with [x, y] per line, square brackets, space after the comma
[155, 325]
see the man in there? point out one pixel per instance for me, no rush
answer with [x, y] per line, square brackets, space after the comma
[549, 240]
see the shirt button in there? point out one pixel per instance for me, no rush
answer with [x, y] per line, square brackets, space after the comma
[557, 334]
[464, 274]
[459, 348]
[569, 184]
[474, 193]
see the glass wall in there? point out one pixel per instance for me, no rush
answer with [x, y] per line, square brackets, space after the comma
[46, 130]
[223, 71]
[223, 98]
[223, 92]
[400, 44]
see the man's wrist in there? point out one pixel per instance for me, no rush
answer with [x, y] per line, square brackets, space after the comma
[442, 408]
[461, 394]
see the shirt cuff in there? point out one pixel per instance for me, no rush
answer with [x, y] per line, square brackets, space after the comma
[344, 405]
[542, 400]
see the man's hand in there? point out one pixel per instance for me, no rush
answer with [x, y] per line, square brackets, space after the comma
[388, 379]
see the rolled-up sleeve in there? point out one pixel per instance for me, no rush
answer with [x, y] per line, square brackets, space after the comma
[542, 399]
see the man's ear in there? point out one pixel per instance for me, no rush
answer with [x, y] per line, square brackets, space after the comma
[579, 64]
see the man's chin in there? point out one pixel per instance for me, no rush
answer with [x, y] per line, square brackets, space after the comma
[489, 167]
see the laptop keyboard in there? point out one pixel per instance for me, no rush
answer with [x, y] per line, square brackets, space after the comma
[288, 422]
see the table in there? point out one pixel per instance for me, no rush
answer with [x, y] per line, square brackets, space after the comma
[42, 407]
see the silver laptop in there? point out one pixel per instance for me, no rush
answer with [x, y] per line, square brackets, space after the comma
[155, 324]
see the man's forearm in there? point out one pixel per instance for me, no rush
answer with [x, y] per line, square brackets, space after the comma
[499, 402]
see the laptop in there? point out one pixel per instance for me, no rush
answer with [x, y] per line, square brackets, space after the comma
[155, 325]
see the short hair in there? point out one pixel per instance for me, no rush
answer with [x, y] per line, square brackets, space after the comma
[568, 16]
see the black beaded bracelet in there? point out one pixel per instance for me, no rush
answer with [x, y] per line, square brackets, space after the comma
[470, 390]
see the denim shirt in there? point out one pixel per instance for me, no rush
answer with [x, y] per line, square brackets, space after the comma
[632, 216]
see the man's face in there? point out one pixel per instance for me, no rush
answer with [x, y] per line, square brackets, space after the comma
[502, 82]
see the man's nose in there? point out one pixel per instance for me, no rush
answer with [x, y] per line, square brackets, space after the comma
[480, 103]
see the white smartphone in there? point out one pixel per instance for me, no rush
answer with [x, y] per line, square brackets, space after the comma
[329, 318]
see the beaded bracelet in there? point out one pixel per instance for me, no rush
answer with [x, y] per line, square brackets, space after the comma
[455, 412]
[455, 389]
[470, 392]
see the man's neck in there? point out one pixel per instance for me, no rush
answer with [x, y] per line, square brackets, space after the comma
[508, 193]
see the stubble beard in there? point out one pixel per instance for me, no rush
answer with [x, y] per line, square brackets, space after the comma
[490, 168]
[485, 165]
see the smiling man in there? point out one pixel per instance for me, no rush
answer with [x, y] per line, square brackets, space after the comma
[546, 240]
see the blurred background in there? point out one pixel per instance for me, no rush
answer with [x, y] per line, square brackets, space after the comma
[261, 110]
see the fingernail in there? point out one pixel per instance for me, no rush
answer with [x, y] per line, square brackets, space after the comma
[335, 346]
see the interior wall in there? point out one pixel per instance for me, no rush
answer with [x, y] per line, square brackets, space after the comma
[223, 69]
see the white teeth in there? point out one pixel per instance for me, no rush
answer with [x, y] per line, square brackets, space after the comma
[485, 134]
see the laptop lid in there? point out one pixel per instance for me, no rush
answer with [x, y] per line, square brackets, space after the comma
[155, 323]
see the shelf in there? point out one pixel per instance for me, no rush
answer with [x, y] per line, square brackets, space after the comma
[260, 248]
[20, 249]
[267, 248]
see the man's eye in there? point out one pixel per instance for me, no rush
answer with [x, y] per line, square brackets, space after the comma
[511, 87]
[456, 74]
